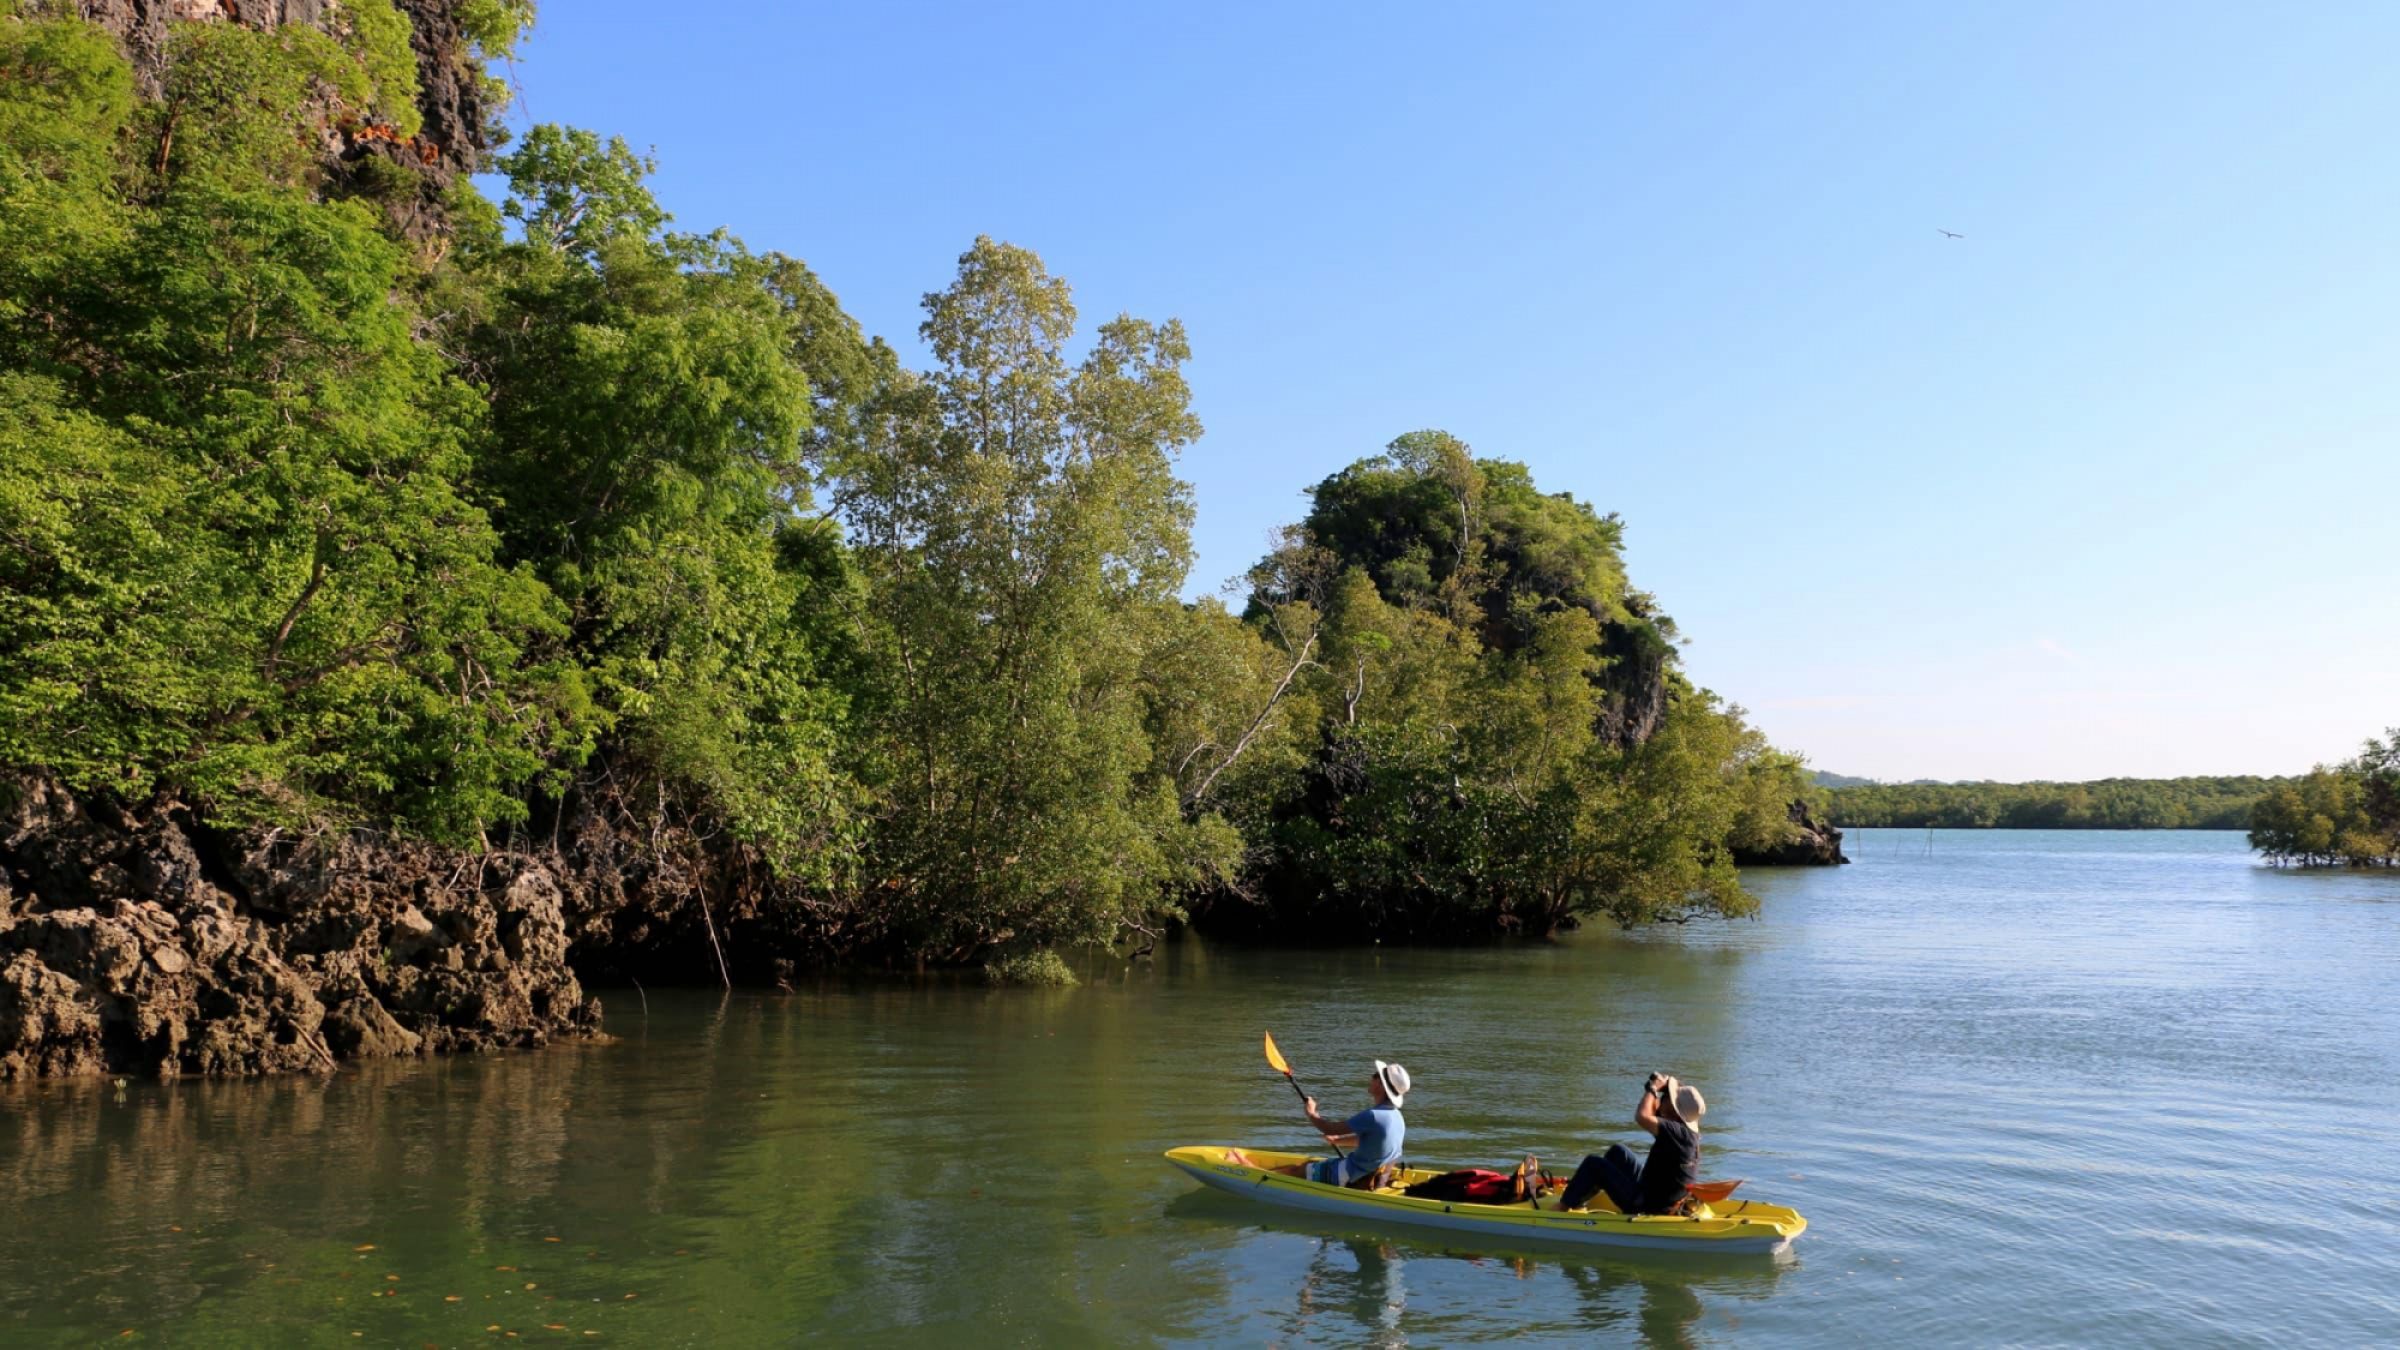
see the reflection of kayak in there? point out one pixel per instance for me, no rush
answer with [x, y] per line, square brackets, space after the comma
[1729, 1226]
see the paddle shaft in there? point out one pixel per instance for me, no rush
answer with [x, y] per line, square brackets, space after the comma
[1303, 1096]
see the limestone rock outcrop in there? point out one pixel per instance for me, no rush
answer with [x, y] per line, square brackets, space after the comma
[134, 939]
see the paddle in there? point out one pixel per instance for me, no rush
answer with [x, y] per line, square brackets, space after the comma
[1275, 1061]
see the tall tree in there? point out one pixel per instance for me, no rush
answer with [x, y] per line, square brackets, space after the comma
[654, 413]
[1019, 522]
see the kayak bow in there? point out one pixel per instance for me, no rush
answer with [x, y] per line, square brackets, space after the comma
[1742, 1226]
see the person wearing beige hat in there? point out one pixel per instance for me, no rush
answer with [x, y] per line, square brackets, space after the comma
[1670, 1112]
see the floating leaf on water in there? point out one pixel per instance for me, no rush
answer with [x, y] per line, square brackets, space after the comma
[393, 1278]
[493, 1327]
[504, 1267]
[530, 1284]
[554, 1326]
[552, 1239]
[633, 1296]
[449, 1298]
[364, 1247]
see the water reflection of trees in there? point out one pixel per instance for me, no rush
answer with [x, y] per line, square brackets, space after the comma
[896, 1157]
[139, 1204]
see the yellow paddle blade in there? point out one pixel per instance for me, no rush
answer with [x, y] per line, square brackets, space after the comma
[1275, 1057]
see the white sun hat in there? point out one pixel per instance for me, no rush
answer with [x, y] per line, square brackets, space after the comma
[1395, 1080]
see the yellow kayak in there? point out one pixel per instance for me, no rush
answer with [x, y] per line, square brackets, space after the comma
[1730, 1226]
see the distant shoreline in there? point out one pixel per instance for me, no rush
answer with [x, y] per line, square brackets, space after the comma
[2072, 827]
[2222, 803]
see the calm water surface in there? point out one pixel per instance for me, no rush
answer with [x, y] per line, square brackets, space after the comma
[2029, 1088]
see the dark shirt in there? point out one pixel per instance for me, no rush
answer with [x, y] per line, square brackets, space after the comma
[1674, 1163]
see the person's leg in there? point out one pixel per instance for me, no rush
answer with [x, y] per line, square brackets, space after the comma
[1583, 1185]
[1621, 1174]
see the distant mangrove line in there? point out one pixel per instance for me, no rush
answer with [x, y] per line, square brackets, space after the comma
[2103, 804]
[2345, 814]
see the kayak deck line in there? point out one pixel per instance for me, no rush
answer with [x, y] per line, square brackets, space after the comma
[1749, 1227]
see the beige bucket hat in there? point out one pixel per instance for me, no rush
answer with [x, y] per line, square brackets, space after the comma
[1689, 1104]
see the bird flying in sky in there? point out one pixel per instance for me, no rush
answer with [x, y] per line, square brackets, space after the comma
[1950, 234]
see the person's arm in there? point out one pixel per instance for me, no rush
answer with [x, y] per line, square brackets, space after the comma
[1646, 1115]
[1336, 1132]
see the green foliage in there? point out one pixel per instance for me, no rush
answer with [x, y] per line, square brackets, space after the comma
[651, 410]
[221, 365]
[1473, 540]
[98, 663]
[1043, 969]
[575, 195]
[2344, 815]
[2105, 804]
[317, 528]
[494, 26]
[1469, 640]
[376, 35]
[65, 97]
[1021, 529]
[247, 108]
[1769, 783]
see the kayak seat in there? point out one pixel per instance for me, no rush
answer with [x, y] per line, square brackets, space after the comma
[1709, 1192]
[1376, 1180]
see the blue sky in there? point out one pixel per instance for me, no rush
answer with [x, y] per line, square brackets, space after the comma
[2109, 486]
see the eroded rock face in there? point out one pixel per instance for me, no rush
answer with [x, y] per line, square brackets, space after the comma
[134, 940]
[1634, 684]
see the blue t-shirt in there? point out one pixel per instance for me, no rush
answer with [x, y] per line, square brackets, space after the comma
[1380, 1132]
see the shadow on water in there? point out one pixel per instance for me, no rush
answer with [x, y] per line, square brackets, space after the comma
[1362, 1280]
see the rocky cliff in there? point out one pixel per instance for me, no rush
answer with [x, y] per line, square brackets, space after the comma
[133, 939]
[138, 939]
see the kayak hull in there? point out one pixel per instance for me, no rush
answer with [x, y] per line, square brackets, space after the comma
[1734, 1227]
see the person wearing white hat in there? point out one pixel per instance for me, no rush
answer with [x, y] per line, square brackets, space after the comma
[1371, 1139]
[1670, 1111]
